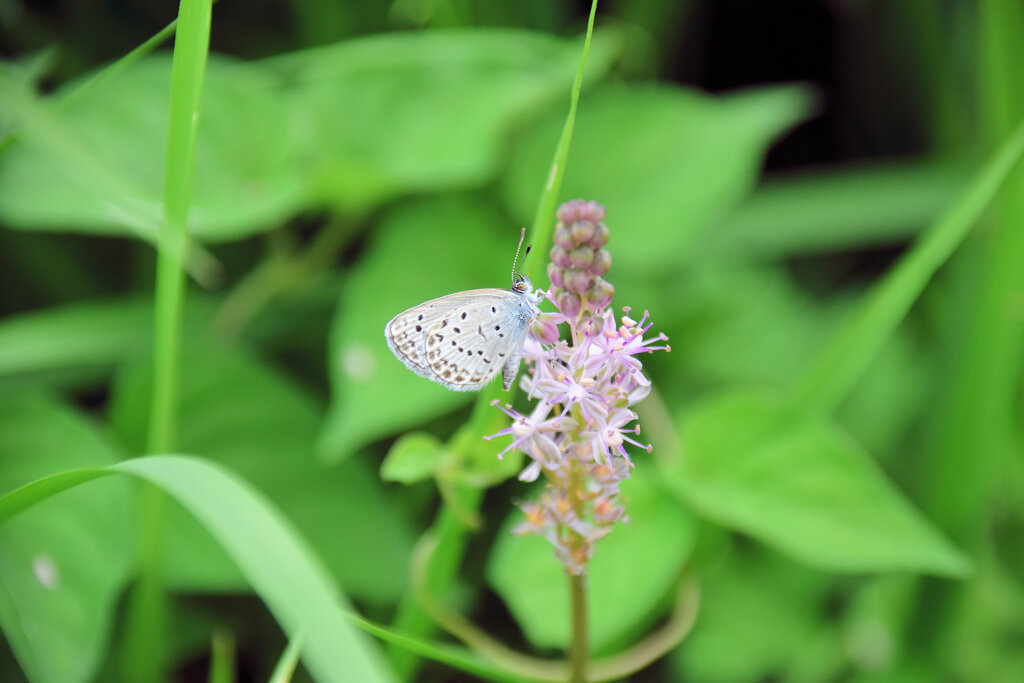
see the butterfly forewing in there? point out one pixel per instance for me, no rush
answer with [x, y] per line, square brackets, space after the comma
[470, 337]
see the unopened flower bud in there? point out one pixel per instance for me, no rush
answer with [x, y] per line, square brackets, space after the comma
[602, 262]
[576, 281]
[563, 237]
[555, 276]
[592, 211]
[544, 329]
[600, 237]
[600, 293]
[582, 231]
[568, 303]
[560, 257]
[581, 257]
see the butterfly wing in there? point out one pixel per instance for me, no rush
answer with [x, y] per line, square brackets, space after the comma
[406, 334]
[481, 334]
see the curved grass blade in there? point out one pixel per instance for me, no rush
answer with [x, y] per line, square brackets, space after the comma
[275, 560]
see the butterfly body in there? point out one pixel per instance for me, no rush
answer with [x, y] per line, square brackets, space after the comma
[462, 340]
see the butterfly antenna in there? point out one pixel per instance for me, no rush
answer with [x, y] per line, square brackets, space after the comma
[522, 236]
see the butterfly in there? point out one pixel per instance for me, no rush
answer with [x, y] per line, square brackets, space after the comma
[462, 340]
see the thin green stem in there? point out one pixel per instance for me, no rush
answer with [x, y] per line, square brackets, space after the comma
[543, 220]
[579, 651]
[146, 651]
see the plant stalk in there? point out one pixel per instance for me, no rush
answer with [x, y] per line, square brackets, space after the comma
[578, 650]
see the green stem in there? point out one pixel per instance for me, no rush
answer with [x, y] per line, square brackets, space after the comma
[540, 233]
[146, 658]
[578, 650]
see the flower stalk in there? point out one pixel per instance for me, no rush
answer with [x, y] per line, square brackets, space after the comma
[577, 433]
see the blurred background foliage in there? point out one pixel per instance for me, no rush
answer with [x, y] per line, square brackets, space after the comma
[763, 164]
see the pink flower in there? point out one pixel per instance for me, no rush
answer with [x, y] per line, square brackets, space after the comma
[579, 434]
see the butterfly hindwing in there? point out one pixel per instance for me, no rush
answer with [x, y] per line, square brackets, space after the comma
[468, 346]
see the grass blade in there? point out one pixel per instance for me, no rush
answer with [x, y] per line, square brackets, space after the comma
[843, 361]
[275, 560]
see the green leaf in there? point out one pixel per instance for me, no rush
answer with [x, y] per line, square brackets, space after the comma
[275, 559]
[98, 165]
[631, 572]
[824, 210]
[419, 112]
[799, 484]
[248, 417]
[64, 563]
[688, 159]
[827, 381]
[77, 340]
[419, 252]
[759, 618]
[724, 304]
[414, 457]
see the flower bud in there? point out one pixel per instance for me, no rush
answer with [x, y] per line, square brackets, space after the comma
[568, 303]
[563, 236]
[545, 329]
[600, 293]
[592, 211]
[555, 276]
[600, 237]
[576, 281]
[582, 231]
[581, 257]
[602, 262]
[560, 257]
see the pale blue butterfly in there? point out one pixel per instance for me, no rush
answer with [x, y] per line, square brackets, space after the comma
[461, 340]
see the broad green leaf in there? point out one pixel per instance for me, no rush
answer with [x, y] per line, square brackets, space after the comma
[420, 112]
[759, 618]
[724, 305]
[798, 483]
[76, 340]
[97, 166]
[418, 252]
[414, 457]
[667, 162]
[274, 558]
[242, 414]
[81, 341]
[64, 563]
[825, 209]
[629, 576]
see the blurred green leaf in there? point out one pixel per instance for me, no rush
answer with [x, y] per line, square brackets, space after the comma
[420, 112]
[837, 208]
[829, 378]
[242, 414]
[97, 167]
[759, 618]
[275, 559]
[64, 563]
[418, 252]
[724, 304]
[799, 484]
[79, 339]
[414, 457]
[667, 162]
[632, 571]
